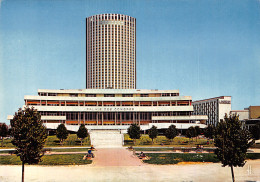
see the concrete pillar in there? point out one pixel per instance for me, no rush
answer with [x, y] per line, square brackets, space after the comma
[115, 119]
[102, 118]
[97, 119]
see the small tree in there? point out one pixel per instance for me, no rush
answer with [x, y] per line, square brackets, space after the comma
[153, 133]
[134, 132]
[191, 132]
[209, 131]
[29, 136]
[82, 133]
[232, 142]
[3, 132]
[62, 133]
[198, 131]
[171, 132]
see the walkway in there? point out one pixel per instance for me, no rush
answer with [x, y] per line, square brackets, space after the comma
[115, 157]
[190, 172]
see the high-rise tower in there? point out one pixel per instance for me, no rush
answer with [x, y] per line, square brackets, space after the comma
[110, 52]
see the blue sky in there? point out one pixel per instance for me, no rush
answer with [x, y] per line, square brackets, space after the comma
[204, 48]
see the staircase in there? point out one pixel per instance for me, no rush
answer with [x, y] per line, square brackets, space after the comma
[106, 138]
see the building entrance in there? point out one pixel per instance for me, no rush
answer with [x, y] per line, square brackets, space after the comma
[106, 138]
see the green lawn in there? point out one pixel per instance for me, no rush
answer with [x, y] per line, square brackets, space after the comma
[53, 141]
[70, 150]
[177, 142]
[57, 150]
[64, 159]
[6, 144]
[174, 158]
[153, 149]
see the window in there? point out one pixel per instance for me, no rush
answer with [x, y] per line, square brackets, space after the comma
[42, 94]
[90, 95]
[109, 95]
[73, 95]
[144, 95]
[127, 95]
[166, 94]
[174, 94]
[52, 94]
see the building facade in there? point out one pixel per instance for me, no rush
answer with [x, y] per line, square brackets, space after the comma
[115, 108]
[214, 108]
[243, 114]
[249, 116]
[254, 112]
[110, 52]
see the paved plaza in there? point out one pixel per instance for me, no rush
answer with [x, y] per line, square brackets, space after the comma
[115, 157]
[189, 172]
[120, 165]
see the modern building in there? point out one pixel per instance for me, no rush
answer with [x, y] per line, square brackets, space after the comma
[249, 116]
[243, 114]
[115, 109]
[254, 112]
[215, 108]
[111, 101]
[110, 52]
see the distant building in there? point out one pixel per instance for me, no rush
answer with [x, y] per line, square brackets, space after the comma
[114, 109]
[110, 52]
[249, 116]
[254, 112]
[243, 114]
[215, 108]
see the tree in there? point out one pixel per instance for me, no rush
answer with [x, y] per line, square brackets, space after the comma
[171, 132]
[134, 132]
[29, 136]
[3, 132]
[255, 131]
[209, 131]
[198, 131]
[232, 142]
[62, 133]
[191, 132]
[153, 132]
[82, 133]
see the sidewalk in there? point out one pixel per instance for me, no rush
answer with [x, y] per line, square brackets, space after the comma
[115, 157]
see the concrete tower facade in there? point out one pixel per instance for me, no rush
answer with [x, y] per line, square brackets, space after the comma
[110, 52]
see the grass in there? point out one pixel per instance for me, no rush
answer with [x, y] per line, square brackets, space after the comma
[152, 149]
[56, 150]
[70, 150]
[253, 156]
[177, 142]
[6, 143]
[174, 158]
[64, 159]
[4, 152]
[53, 141]
[72, 140]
